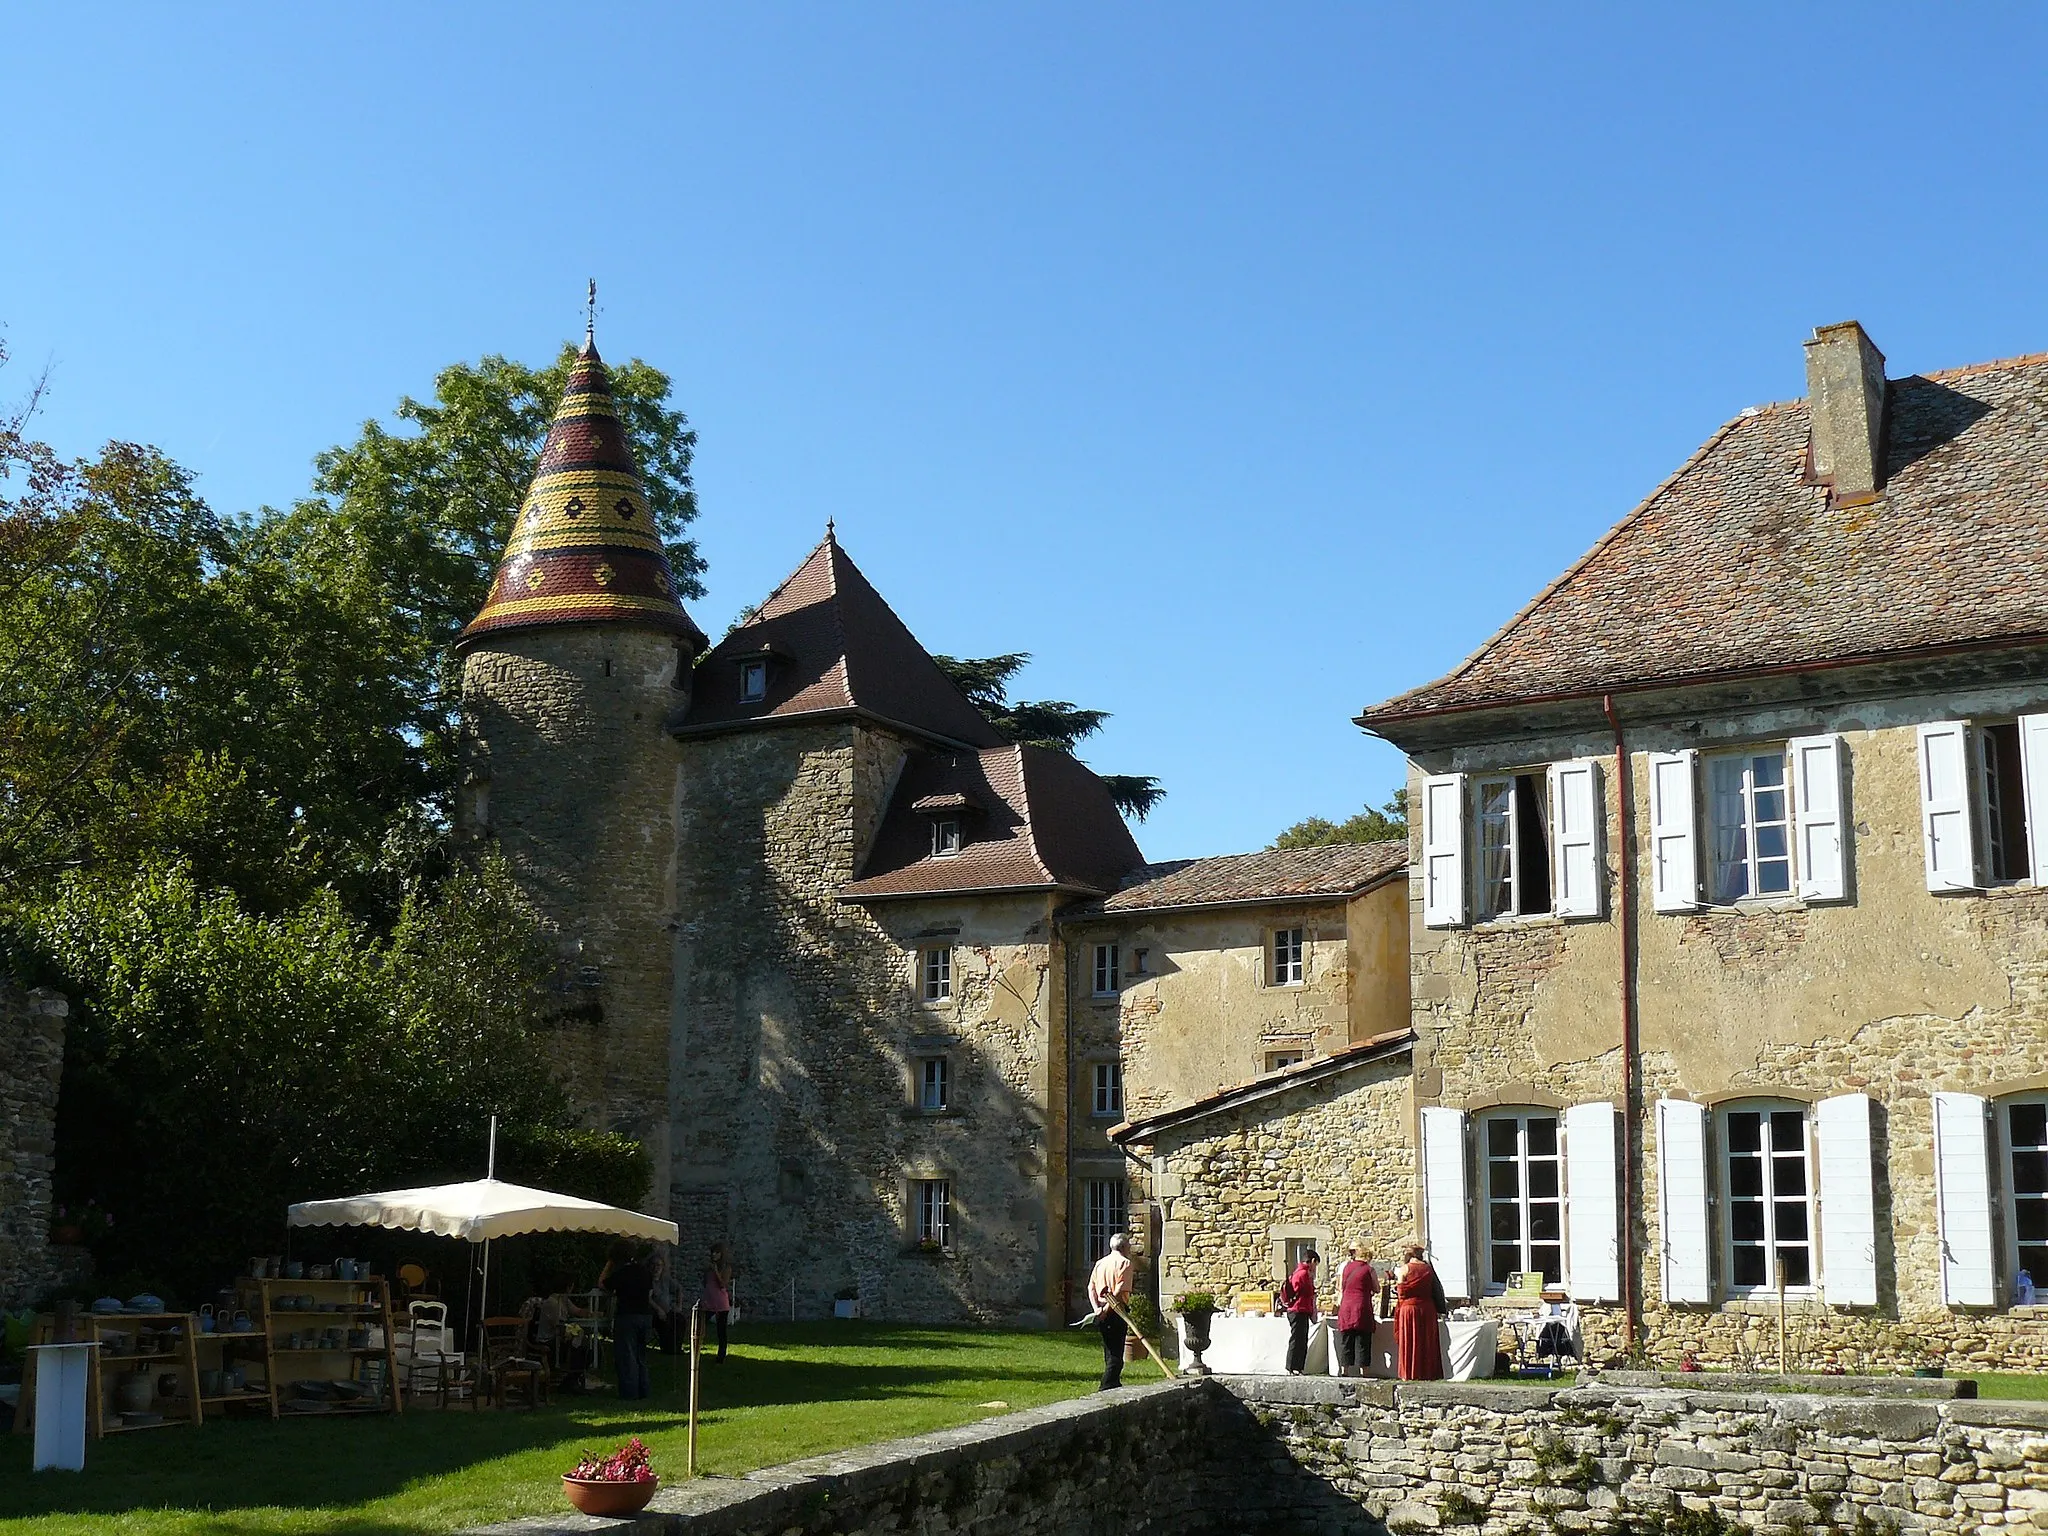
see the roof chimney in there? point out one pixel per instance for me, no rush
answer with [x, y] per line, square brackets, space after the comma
[1845, 395]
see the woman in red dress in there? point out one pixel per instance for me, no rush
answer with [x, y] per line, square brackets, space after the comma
[1416, 1344]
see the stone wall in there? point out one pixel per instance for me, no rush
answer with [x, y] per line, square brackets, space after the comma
[1512, 1459]
[31, 1065]
[1328, 1161]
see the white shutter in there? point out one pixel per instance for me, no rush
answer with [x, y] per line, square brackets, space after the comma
[1592, 1207]
[1682, 1200]
[1817, 791]
[2034, 773]
[1443, 851]
[1848, 1201]
[1962, 1199]
[1576, 813]
[1945, 818]
[1674, 836]
[1446, 1213]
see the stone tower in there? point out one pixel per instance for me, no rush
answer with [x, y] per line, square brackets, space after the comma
[570, 677]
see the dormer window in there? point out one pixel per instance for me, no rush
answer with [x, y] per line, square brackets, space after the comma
[945, 838]
[753, 681]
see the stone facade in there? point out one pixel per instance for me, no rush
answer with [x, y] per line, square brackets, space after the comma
[31, 1065]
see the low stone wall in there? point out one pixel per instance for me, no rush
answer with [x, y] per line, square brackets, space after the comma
[1505, 1460]
[31, 1062]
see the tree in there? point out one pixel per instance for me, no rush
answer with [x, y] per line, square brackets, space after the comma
[1368, 826]
[1054, 724]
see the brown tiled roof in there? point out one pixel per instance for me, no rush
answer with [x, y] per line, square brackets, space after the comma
[1737, 564]
[1379, 1048]
[1048, 824]
[1244, 879]
[834, 647]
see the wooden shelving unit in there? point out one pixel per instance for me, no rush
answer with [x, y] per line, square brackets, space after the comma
[119, 1355]
[338, 1306]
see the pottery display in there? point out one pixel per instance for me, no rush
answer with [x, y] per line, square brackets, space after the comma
[134, 1392]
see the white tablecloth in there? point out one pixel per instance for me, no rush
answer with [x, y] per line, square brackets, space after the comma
[1468, 1349]
[1257, 1346]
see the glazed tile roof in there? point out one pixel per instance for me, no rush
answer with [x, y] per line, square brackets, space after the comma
[584, 548]
[833, 647]
[1242, 879]
[1316, 1069]
[1047, 823]
[1737, 563]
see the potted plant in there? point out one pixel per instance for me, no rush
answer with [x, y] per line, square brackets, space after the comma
[618, 1484]
[1144, 1315]
[1195, 1310]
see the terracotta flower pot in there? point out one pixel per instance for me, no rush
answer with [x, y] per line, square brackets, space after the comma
[595, 1498]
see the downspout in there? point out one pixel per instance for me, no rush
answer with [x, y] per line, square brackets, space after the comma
[1631, 1088]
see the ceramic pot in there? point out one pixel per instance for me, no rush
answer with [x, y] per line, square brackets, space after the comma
[595, 1498]
[134, 1392]
[167, 1384]
[294, 1270]
[210, 1383]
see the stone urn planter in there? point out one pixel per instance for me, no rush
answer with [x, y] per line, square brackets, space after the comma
[1194, 1324]
[594, 1497]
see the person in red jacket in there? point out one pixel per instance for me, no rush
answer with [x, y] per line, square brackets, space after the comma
[1298, 1296]
[1358, 1285]
[1418, 1303]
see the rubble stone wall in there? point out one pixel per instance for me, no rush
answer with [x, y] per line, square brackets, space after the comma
[31, 1066]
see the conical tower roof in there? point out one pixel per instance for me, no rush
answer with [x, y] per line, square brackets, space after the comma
[584, 548]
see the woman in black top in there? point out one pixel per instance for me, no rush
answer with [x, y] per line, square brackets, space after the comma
[630, 1279]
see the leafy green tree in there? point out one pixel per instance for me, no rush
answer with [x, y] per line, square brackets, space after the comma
[1368, 826]
[1052, 723]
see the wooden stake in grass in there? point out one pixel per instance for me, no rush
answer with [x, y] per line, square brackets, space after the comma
[1117, 1307]
[696, 1340]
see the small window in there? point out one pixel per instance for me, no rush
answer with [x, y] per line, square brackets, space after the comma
[1514, 845]
[1107, 977]
[945, 839]
[1286, 970]
[1105, 1204]
[1297, 1250]
[1769, 1197]
[932, 1207]
[2026, 1148]
[1109, 1088]
[938, 974]
[1524, 1198]
[934, 1084]
[1280, 1060]
[753, 681]
[1141, 962]
[2002, 782]
[1751, 827]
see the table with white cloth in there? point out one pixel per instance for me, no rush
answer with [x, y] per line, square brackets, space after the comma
[1257, 1346]
[1468, 1348]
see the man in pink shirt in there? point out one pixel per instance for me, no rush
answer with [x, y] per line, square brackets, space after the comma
[1109, 1281]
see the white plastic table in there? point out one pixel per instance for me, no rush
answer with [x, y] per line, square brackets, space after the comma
[61, 1375]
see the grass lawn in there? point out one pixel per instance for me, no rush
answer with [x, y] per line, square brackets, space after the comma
[789, 1391]
[2002, 1384]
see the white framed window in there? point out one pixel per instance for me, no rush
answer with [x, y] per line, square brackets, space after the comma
[1279, 1060]
[1524, 1196]
[934, 1084]
[753, 681]
[1286, 969]
[1749, 814]
[1109, 1088]
[936, 966]
[1297, 1249]
[1107, 977]
[2002, 803]
[1513, 816]
[1105, 1206]
[945, 839]
[2023, 1123]
[1767, 1190]
[932, 1212]
[1984, 802]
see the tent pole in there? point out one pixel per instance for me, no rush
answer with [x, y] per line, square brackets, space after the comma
[491, 1158]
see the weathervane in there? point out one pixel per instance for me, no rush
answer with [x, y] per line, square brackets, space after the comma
[590, 316]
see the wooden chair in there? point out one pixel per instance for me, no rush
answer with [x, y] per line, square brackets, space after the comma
[414, 1281]
[431, 1368]
[509, 1364]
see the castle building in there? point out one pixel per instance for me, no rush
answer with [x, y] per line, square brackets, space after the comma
[869, 980]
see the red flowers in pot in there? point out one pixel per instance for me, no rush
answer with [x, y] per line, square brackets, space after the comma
[618, 1484]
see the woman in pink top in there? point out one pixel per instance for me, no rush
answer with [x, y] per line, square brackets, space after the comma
[1357, 1284]
[716, 1299]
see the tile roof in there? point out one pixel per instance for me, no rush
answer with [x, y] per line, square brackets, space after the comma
[1317, 1068]
[1736, 563]
[834, 647]
[1047, 823]
[1242, 879]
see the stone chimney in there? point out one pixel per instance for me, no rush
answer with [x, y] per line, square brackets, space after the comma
[1845, 394]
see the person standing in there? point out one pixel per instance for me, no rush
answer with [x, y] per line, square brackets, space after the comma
[1357, 1283]
[1298, 1296]
[630, 1279]
[1418, 1302]
[1110, 1281]
[716, 1296]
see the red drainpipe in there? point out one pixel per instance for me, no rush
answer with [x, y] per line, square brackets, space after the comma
[1631, 1089]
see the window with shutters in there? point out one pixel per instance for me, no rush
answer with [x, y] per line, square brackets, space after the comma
[1513, 816]
[1105, 1205]
[1767, 1189]
[1749, 815]
[1107, 978]
[1524, 1196]
[938, 974]
[2024, 1123]
[2002, 803]
[1286, 969]
[1984, 802]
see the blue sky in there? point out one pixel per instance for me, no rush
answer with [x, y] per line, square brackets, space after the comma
[1244, 364]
